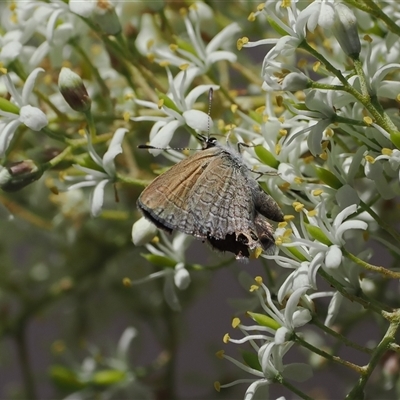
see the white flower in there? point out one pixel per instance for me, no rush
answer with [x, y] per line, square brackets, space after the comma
[295, 31]
[281, 76]
[337, 19]
[271, 360]
[96, 178]
[280, 324]
[321, 112]
[181, 114]
[275, 331]
[204, 56]
[174, 277]
[30, 116]
[393, 158]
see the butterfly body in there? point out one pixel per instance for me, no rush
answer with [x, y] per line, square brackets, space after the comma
[212, 196]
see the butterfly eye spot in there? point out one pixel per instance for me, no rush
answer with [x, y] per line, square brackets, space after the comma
[242, 239]
[253, 235]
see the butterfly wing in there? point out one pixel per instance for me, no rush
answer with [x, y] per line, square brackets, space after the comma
[223, 205]
[220, 203]
[211, 195]
[164, 201]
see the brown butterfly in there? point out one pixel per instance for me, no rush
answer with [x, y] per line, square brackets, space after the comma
[213, 196]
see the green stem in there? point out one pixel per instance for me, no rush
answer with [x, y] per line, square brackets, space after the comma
[366, 303]
[340, 337]
[292, 388]
[381, 119]
[390, 337]
[24, 362]
[91, 124]
[371, 8]
[171, 344]
[57, 159]
[53, 135]
[132, 181]
[384, 225]
[326, 355]
[361, 76]
[380, 270]
[325, 86]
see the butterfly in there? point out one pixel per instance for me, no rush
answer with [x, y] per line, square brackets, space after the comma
[212, 195]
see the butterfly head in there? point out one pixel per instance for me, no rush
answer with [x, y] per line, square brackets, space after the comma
[207, 142]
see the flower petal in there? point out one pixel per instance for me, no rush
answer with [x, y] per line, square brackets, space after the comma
[28, 86]
[33, 117]
[193, 95]
[198, 120]
[143, 231]
[114, 149]
[333, 308]
[98, 197]
[181, 277]
[227, 34]
[170, 294]
[252, 389]
[333, 257]
[11, 89]
[343, 215]
[7, 134]
[10, 52]
[221, 55]
[84, 8]
[163, 137]
[351, 224]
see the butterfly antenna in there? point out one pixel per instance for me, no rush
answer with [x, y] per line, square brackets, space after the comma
[210, 98]
[148, 146]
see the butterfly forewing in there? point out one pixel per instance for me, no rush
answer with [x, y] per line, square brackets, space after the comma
[164, 200]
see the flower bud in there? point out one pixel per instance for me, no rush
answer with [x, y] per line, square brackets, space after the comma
[105, 16]
[295, 81]
[73, 90]
[18, 175]
[345, 30]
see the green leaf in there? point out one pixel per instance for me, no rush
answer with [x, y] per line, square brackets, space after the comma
[251, 359]
[295, 251]
[264, 320]
[65, 378]
[108, 377]
[329, 178]
[7, 106]
[256, 116]
[168, 102]
[266, 157]
[160, 261]
[277, 27]
[316, 233]
[395, 138]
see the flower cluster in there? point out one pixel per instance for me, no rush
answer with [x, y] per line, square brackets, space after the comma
[85, 83]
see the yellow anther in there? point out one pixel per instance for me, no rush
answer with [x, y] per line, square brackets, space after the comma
[312, 213]
[387, 152]
[368, 120]
[235, 322]
[317, 192]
